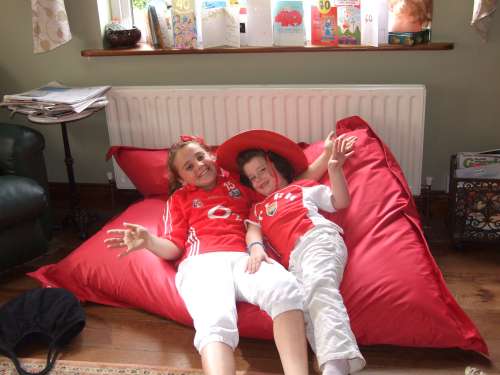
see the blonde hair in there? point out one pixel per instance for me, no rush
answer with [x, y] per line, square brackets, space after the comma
[173, 173]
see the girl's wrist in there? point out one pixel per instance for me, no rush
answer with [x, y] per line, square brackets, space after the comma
[151, 242]
[253, 244]
[335, 169]
[327, 153]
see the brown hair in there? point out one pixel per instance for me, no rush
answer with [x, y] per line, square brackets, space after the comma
[280, 163]
[173, 173]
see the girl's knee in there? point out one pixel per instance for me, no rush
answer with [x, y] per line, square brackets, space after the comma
[285, 295]
[224, 332]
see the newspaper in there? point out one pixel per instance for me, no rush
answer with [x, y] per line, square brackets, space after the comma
[53, 93]
[43, 119]
[54, 109]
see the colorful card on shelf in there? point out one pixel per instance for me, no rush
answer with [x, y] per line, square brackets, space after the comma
[346, 2]
[233, 26]
[324, 24]
[374, 20]
[410, 16]
[349, 23]
[184, 24]
[259, 27]
[167, 28]
[243, 18]
[154, 27]
[219, 24]
[160, 26]
[288, 23]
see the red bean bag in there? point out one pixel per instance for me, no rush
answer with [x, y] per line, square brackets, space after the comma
[392, 288]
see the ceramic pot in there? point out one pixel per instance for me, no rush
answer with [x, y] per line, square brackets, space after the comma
[122, 38]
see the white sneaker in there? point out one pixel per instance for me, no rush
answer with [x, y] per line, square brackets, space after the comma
[336, 367]
[473, 371]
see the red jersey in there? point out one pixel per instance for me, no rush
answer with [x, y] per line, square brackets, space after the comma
[287, 214]
[202, 221]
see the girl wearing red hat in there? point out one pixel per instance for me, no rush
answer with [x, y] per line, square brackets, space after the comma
[308, 244]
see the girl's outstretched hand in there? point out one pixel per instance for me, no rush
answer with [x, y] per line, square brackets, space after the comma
[134, 237]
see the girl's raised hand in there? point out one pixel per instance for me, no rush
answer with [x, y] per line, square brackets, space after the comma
[330, 141]
[134, 237]
[350, 142]
[343, 148]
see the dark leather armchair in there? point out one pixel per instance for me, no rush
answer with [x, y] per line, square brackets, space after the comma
[25, 226]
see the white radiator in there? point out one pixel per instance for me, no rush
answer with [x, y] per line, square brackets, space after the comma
[155, 116]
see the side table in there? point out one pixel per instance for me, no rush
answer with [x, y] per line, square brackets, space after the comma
[77, 215]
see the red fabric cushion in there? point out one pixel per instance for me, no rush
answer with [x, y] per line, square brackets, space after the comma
[95, 273]
[392, 288]
[146, 168]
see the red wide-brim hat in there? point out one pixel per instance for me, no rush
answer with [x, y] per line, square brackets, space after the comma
[265, 140]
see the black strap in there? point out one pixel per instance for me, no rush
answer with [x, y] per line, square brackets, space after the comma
[51, 361]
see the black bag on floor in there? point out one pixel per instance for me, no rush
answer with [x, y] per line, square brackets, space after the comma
[52, 314]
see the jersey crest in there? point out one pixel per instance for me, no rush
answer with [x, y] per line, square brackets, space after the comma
[271, 208]
[235, 193]
[197, 203]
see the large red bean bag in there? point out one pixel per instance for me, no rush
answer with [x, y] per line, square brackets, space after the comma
[393, 290]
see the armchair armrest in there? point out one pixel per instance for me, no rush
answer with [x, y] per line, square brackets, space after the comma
[21, 153]
[21, 199]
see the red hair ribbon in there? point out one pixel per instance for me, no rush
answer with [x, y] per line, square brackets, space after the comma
[188, 138]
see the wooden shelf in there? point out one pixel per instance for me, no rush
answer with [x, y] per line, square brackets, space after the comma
[145, 49]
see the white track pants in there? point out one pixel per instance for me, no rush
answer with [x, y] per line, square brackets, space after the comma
[318, 261]
[211, 283]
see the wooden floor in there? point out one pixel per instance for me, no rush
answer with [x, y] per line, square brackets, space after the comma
[130, 336]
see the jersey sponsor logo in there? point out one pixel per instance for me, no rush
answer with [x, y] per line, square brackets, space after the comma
[278, 196]
[288, 196]
[222, 212]
[219, 212]
[197, 203]
[271, 208]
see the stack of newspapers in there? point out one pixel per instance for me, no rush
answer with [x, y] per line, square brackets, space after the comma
[484, 164]
[56, 102]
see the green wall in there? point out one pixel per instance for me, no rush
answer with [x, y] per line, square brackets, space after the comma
[463, 85]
